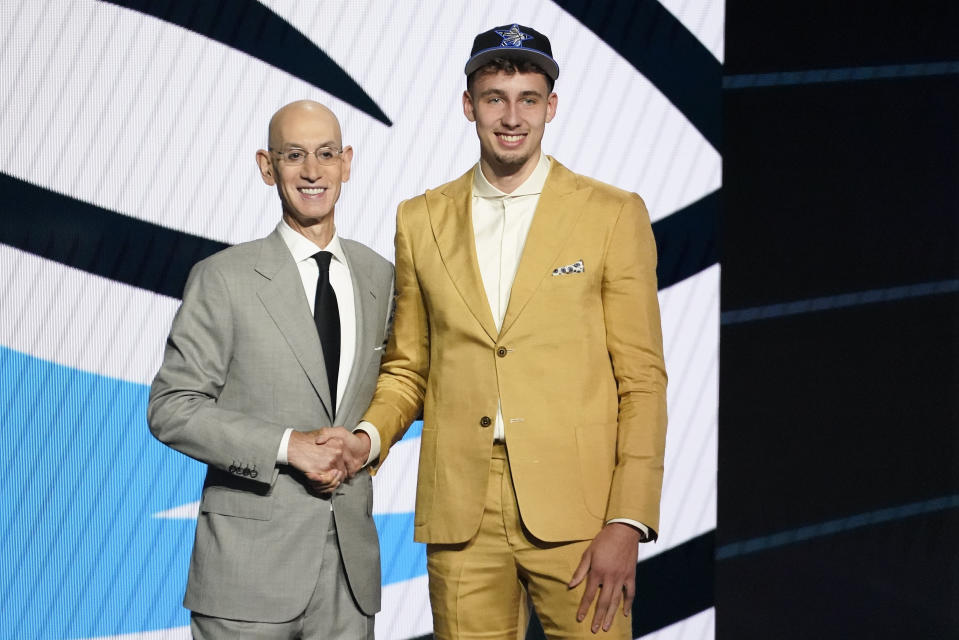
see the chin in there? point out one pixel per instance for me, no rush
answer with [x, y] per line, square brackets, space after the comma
[513, 160]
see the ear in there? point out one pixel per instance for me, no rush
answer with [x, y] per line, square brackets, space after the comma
[265, 163]
[347, 159]
[468, 107]
[551, 106]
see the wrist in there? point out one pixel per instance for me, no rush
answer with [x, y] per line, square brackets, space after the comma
[627, 529]
[294, 445]
[365, 443]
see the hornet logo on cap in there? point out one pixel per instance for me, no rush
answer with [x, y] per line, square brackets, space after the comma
[513, 37]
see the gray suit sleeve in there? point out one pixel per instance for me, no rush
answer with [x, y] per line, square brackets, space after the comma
[183, 410]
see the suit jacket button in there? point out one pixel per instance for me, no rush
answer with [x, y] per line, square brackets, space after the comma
[485, 421]
[501, 352]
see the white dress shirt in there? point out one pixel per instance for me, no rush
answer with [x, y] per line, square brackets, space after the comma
[302, 250]
[501, 223]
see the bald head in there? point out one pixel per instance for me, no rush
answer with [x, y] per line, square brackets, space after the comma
[294, 116]
[308, 164]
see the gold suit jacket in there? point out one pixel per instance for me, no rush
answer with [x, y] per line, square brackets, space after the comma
[577, 365]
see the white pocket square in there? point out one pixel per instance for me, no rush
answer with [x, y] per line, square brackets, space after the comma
[576, 267]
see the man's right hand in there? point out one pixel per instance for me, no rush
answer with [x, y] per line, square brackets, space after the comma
[355, 446]
[322, 464]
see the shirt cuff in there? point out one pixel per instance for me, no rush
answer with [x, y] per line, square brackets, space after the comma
[643, 529]
[374, 435]
[282, 455]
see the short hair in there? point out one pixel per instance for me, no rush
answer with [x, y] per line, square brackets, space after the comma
[509, 66]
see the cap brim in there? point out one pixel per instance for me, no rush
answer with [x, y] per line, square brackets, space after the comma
[544, 61]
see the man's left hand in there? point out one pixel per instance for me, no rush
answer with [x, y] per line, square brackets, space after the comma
[609, 567]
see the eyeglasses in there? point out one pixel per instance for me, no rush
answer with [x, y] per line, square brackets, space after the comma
[323, 155]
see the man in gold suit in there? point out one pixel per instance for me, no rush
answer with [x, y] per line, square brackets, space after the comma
[527, 331]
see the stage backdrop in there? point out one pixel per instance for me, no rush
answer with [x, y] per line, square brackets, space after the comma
[127, 139]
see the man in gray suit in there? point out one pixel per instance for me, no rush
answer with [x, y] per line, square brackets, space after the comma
[285, 542]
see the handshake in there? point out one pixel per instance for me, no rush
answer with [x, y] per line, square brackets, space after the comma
[328, 456]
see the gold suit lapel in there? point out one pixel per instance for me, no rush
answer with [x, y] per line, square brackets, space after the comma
[560, 206]
[452, 221]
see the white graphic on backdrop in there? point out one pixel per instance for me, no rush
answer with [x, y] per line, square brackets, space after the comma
[156, 122]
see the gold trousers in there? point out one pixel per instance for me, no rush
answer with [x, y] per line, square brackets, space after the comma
[483, 588]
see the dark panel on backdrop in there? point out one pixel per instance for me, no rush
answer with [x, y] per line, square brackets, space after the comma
[839, 449]
[837, 188]
[897, 580]
[836, 413]
[763, 36]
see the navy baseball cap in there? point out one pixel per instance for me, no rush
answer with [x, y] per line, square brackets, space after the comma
[512, 41]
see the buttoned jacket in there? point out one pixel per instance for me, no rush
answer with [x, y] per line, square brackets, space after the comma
[244, 362]
[577, 364]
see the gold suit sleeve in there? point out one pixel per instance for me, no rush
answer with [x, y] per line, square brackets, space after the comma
[401, 385]
[635, 344]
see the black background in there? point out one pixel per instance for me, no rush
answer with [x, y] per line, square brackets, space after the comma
[833, 188]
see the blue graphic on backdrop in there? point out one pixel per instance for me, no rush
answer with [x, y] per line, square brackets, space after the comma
[83, 554]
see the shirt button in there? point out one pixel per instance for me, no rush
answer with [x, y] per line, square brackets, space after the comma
[485, 421]
[501, 352]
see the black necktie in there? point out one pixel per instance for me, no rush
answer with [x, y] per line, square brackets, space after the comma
[326, 314]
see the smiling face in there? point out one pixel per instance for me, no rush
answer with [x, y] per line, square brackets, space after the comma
[308, 191]
[510, 111]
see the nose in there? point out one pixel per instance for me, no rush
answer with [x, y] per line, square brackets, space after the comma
[311, 169]
[511, 118]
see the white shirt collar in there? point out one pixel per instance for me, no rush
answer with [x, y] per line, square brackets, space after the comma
[303, 249]
[533, 185]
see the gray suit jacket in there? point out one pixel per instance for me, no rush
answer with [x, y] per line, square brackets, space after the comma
[243, 362]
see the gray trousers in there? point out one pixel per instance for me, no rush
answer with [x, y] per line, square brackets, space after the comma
[331, 612]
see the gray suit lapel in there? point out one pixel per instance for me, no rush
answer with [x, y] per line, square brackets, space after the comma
[364, 298]
[285, 302]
